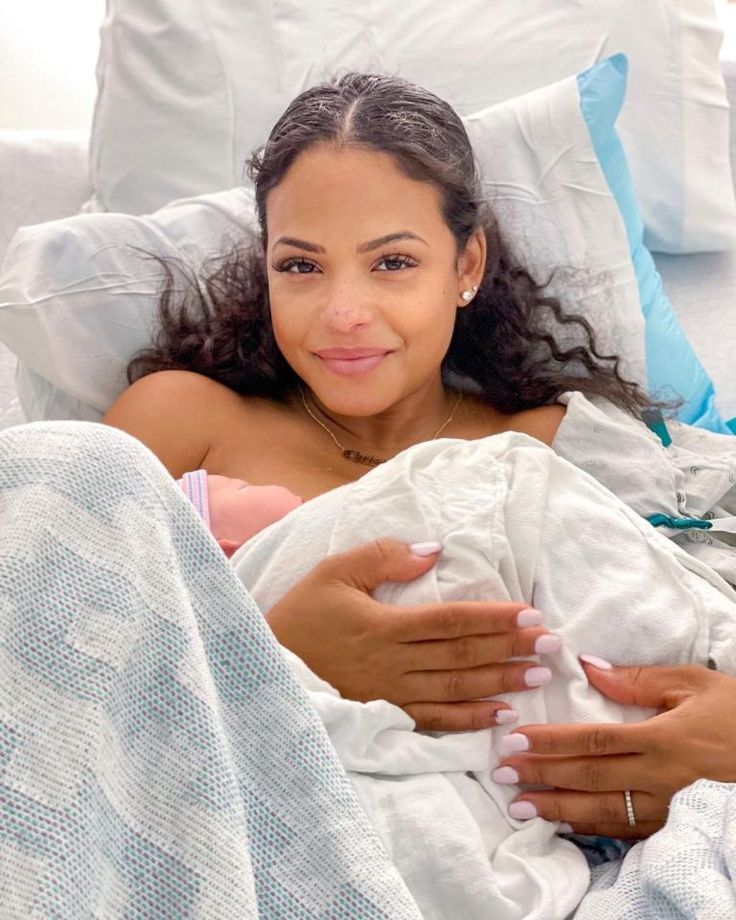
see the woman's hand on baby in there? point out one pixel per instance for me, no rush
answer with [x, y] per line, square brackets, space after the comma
[434, 660]
[591, 765]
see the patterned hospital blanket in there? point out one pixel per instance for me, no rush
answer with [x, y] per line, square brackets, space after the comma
[157, 758]
[684, 872]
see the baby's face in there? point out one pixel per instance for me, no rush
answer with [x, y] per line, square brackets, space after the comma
[239, 510]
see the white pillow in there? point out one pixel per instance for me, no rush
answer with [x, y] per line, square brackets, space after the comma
[76, 302]
[188, 88]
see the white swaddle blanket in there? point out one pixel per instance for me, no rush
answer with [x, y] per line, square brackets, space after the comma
[519, 523]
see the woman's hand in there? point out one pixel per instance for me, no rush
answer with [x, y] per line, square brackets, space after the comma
[433, 660]
[591, 765]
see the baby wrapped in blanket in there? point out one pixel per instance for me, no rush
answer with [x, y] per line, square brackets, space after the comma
[517, 523]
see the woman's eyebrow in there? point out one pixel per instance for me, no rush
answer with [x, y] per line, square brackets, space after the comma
[363, 247]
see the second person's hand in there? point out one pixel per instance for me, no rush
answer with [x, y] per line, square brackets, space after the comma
[436, 661]
[586, 767]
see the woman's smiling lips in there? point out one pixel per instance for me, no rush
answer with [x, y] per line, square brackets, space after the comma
[350, 362]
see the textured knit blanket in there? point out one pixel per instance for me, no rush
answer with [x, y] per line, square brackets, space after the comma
[157, 758]
[686, 871]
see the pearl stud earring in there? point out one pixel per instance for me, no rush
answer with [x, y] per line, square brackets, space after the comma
[468, 295]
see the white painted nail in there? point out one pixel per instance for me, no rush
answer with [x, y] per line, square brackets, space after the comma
[522, 811]
[597, 662]
[513, 743]
[506, 716]
[505, 776]
[425, 549]
[529, 617]
[564, 828]
[536, 677]
[547, 644]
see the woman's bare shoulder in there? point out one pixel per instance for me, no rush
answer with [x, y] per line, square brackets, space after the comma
[541, 422]
[173, 384]
[175, 413]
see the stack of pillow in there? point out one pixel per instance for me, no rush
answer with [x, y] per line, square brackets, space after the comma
[188, 89]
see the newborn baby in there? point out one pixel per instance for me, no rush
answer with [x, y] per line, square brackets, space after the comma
[233, 509]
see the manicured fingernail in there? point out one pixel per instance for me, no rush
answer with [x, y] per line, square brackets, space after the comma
[425, 549]
[514, 743]
[522, 811]
[564, 828]
[535, 677]
[597, 662]
[529, 617]
[505, 775]
[547, 644]
[506, 716]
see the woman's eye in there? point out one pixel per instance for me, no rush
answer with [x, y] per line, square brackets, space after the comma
[398, 263]
[290, 263]
[401, 261]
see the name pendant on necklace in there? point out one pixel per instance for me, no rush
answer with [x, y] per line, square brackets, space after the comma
[357, 457]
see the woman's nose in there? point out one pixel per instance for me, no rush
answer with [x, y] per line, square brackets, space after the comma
[346, 307]
[343, 315]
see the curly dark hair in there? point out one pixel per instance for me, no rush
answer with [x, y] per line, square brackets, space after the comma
[508, 345]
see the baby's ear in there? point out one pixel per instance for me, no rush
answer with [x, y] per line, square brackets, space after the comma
[229, 546]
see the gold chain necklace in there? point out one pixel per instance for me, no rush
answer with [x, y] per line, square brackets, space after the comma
[355, 455]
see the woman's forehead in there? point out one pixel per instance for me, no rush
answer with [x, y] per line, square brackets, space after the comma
[350, 189]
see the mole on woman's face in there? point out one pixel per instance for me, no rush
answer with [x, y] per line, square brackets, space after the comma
[359, 256]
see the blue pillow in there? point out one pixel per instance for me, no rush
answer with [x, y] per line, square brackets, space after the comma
[672, 366]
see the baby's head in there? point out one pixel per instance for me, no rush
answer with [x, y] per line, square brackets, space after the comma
[233, 509]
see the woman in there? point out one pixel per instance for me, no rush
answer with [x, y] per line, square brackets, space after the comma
[379, 285]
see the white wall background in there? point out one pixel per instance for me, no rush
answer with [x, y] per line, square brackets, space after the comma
[48, 53]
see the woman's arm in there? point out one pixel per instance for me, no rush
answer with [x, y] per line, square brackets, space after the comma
[592, 765]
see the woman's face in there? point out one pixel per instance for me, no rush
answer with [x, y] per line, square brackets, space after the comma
[337, 283]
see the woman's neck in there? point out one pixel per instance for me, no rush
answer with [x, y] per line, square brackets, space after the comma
[414, 418]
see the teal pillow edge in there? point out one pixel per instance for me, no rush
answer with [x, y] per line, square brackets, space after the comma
[673, 368]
